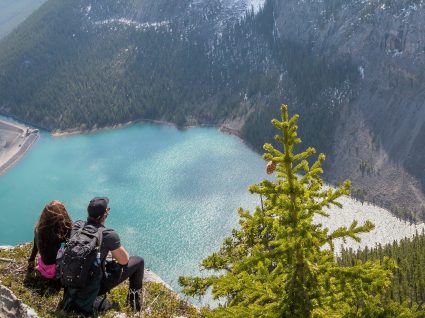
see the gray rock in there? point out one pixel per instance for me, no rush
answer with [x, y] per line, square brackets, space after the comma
[150, 276]
[11, 306]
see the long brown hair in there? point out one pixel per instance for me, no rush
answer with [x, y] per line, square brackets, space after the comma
[54, 224]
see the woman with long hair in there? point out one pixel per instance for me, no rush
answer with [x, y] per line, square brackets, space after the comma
[52, 229]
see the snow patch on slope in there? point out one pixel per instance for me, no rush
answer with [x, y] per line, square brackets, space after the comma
[239, 7]
[135, 24]
[255, 4]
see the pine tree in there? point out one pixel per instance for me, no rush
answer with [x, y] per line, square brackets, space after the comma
[280, 263]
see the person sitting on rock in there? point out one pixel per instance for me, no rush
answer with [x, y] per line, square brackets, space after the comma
[52, 230]
[114, 272]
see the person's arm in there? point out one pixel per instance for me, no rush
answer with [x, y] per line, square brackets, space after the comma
[120, 255]
[67, 235]
[31, 259]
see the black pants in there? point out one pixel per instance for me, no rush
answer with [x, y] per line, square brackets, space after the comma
[133, 270]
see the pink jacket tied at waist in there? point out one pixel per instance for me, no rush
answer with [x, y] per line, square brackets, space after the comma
[47, 271]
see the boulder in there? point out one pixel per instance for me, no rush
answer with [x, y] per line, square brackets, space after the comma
[11, 306]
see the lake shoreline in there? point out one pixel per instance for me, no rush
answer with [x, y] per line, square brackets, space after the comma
[77, 131]
[18, 141]
[11, 154]
[229, 128]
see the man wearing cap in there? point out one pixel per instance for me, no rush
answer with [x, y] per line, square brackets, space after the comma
[129, 267]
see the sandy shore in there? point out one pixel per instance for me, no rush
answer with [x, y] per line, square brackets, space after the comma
[75, 131]
[15, 141]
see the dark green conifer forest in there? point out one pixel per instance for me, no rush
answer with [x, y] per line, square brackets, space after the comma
[408, 282]
[59, 70]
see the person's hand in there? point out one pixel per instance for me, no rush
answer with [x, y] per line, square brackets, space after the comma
[31, 266]
[271, 167]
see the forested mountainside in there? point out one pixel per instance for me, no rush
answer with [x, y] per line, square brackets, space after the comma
[408, 283]
[354, 72]
[13, 12]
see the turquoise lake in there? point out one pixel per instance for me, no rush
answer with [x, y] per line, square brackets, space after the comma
[173, 194]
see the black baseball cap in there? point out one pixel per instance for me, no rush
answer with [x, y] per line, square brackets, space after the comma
[97, 206]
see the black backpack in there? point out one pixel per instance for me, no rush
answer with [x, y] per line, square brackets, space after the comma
[81, 269]
[81, 258]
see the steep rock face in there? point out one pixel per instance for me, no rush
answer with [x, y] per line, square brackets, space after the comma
[380, 140]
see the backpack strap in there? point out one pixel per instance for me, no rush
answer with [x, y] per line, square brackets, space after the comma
[100, 236]
[99, 249]
[78, 230]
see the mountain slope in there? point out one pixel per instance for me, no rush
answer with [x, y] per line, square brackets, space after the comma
[13, 12]
[382, 129]
[353, 71]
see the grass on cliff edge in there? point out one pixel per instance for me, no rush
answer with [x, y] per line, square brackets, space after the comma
[159, 302]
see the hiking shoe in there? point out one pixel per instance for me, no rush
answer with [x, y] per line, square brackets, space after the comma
[101, 303]
[133, 299]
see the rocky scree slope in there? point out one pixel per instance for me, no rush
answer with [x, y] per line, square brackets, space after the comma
[379, 139]
[354, 71]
